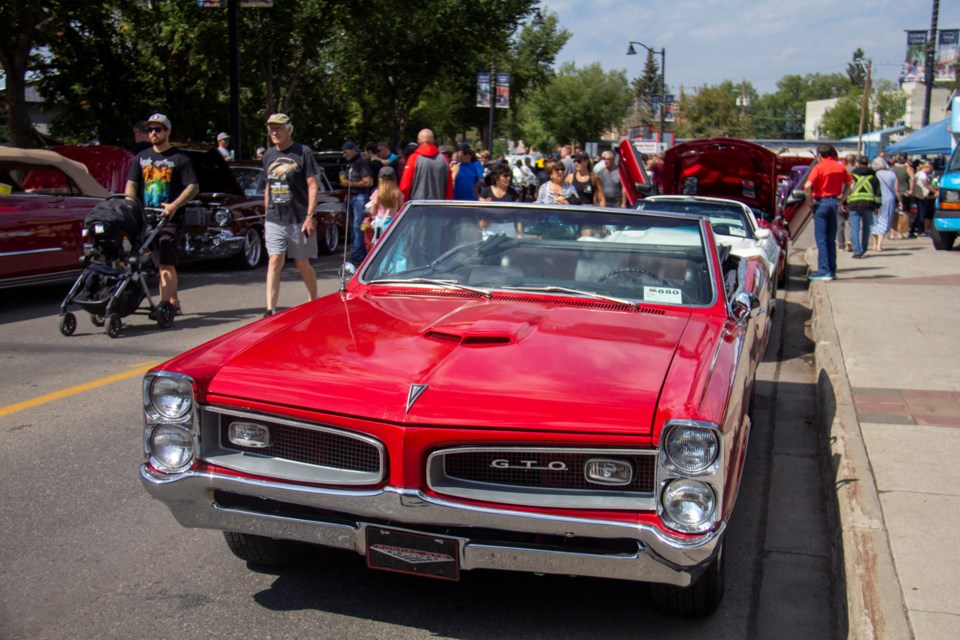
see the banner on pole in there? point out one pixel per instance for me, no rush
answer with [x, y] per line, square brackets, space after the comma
[484, 90]
[945, 63]
[503, 90]
[913, 70]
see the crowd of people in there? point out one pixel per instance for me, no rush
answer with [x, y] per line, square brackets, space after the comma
[859, 202]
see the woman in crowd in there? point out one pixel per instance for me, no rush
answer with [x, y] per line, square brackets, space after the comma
[889, 203]
[586, 182]
[499, 189]
[555, 190]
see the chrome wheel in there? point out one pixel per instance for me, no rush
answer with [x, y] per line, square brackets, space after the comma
[252, 253]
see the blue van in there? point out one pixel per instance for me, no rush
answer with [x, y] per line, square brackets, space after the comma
[946, 213]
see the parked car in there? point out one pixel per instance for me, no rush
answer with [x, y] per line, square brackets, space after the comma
[331, 208]
[109, 165]
[222, 222]
[734, 170]
[734, 224]
[518, 387]
[44, 198]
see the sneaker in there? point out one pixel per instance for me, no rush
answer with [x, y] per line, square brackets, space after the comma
[819, 276]
[858, 255]
[268, 313]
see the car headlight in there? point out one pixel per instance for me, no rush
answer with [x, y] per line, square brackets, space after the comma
[169, 397]
[170, 447]
[222, 217]
[691, 449]
[689, 505]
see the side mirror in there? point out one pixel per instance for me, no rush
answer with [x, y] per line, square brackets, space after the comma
[643, 187]
[746, 305]
[797, 195]
[763, 234]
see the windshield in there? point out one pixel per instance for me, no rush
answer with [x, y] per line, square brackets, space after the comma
[727, 219]
[618, 255]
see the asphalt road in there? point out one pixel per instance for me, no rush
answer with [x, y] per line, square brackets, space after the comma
[85, 553]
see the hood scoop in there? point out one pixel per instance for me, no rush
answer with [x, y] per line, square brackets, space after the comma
[469, 340]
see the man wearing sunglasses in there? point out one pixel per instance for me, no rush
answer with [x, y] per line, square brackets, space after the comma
[164, 178]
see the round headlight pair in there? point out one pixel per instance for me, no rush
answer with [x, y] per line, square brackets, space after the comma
[171, 397]
[691, 449]
[170, 447]
[689, 505]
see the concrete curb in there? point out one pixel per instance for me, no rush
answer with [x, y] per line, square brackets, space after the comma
[875, 607]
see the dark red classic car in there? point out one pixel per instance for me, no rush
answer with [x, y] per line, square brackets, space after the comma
[560, 390]
[331, 213]
[44, 198]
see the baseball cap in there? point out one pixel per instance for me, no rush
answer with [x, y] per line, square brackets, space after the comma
[159, 118]
[279, 118]
[223, 135]
[349, 146]
[388, 172]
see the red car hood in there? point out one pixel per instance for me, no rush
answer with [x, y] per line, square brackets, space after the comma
[486, 363]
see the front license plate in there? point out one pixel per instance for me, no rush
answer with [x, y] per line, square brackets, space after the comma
[416, 553]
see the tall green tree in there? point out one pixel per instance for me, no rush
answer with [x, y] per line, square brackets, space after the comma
[782, 114]
[843, 119]
[645, 86]
[857, 69]
[579, 104]
[719, 110]
[889, 104]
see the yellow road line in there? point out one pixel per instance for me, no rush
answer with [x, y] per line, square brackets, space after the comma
[80, 388]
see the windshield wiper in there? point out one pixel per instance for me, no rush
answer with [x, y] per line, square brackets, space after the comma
[577, 292]
[440, 283]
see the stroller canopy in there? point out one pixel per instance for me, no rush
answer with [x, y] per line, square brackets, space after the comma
[118, 214]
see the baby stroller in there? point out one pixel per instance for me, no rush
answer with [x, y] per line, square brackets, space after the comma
[113, 283]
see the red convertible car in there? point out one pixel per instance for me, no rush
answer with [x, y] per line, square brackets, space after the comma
[43, 202]
[545, 389]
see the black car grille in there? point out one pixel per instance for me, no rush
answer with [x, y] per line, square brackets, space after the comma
[310, 446]
[524, 469]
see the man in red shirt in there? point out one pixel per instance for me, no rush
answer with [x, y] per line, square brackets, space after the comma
[827, 187]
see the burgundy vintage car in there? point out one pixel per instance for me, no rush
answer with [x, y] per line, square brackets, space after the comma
[519, 387]
[44, 198]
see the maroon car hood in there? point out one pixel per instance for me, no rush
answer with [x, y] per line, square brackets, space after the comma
[722, 168]
[485, 363]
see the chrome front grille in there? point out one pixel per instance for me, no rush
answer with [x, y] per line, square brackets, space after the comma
[552, 477]
[299, 451]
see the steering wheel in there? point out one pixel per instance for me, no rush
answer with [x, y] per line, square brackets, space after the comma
[644, 272]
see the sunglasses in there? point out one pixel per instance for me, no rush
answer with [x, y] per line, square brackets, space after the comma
[156, 129]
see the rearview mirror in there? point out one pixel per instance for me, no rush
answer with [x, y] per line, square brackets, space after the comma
[797, 195]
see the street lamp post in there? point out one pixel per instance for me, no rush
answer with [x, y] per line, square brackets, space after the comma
[663, 73]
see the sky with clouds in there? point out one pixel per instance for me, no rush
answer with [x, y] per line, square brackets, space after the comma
[760, 41]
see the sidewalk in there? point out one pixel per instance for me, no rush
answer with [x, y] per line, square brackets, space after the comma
[887, 337]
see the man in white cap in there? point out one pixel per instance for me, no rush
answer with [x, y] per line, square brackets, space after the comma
[223, 146]
[164, 178]
[290, 200]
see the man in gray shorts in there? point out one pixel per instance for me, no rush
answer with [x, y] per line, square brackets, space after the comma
[290, 200]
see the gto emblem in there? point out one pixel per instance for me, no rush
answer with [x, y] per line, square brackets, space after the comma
[554, 465]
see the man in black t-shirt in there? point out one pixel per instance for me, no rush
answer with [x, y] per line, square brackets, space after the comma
[290, 200]
[164, 178]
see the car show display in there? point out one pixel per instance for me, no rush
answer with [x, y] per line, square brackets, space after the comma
[544, 389]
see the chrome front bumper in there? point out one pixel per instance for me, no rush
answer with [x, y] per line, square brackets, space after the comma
[658, 557]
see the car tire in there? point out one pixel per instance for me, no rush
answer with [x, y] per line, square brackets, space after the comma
[942, 240]
[68, 324]
[253, 251]
[114, 325]
[698, 600]
[262, 550]
[329, 239]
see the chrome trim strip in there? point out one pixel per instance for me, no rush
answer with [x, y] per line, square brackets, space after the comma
[29, 252]
[660, 558]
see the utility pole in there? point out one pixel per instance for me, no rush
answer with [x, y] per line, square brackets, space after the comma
[864, 104]
[928, 64]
